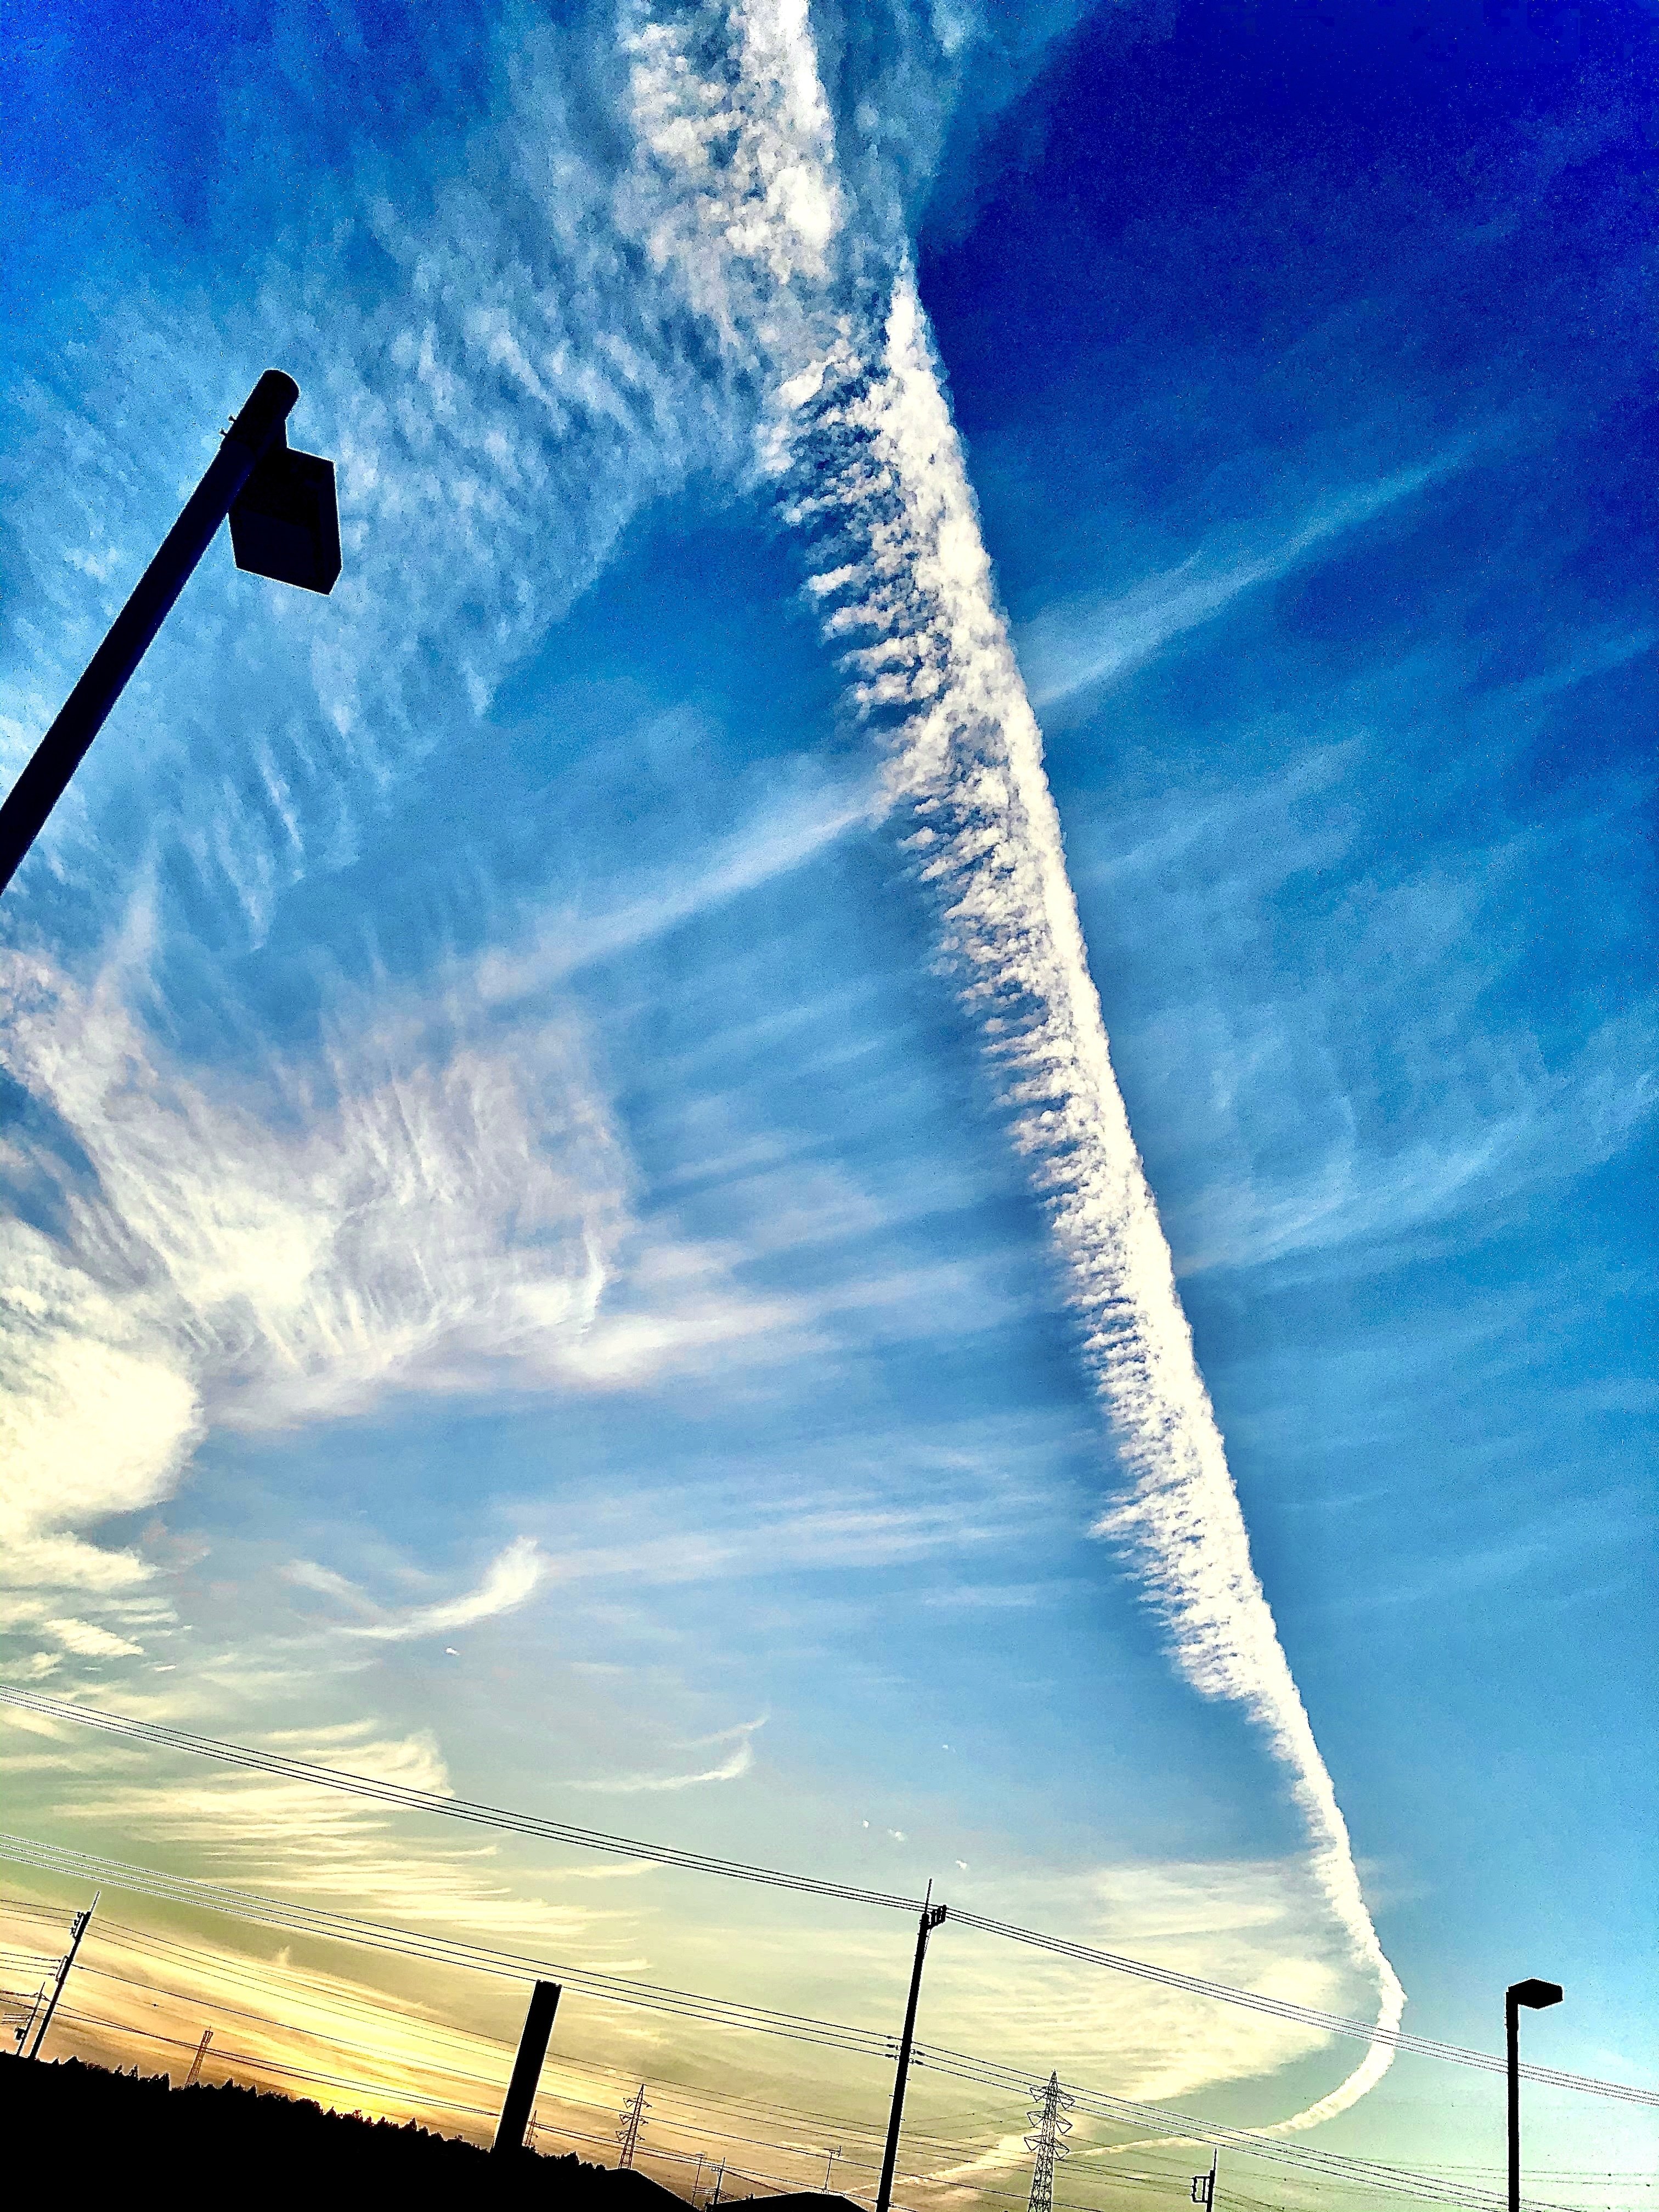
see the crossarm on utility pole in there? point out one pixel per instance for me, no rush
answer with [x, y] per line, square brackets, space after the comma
[63, 747]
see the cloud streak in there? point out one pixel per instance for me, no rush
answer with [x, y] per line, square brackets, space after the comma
[872, 470]
[508, 1585]
[965, 758]
[736, 1764]
[1070, 648]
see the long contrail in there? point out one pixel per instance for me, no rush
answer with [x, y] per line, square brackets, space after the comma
[873, 470]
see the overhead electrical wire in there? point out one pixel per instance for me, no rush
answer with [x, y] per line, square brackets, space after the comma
[1015, 2081]
[670, 2097]
[309, 1920]
[453, 1808]
[1422, 2046]
[253, 1759]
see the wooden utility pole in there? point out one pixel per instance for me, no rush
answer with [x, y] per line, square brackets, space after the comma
[931, 1914]
[78, 1930]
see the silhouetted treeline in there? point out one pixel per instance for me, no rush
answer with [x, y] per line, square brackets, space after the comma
[107, 2132]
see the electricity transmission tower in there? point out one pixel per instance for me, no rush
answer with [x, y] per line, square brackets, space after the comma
[1051, 2125]
[195, 2073]
[633, 2118]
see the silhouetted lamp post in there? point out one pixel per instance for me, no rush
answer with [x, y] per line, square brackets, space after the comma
[1535, 1996]
[284, 524]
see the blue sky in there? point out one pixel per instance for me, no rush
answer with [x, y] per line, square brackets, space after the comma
[567, 1232]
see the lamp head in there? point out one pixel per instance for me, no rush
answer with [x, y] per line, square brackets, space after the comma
[285, 520]
[1535, 1993]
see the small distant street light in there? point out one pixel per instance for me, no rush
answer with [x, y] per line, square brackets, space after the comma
[1535, 1996]
[284, 524]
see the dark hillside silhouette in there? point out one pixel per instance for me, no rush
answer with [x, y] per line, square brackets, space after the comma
[121, 2137]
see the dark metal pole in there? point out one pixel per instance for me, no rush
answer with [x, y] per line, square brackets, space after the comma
[1512, 2059]
[527, 2067]
[1537, 1996]
[931, 1917]
[60, 753]
[77, 1929]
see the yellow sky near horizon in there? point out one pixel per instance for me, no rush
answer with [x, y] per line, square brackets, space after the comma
[401, 2039]
[139, 1994]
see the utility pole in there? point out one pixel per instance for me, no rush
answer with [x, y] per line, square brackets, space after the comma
[931, 1914]
[195, 2073]
[1204, 2183]
[829, 2166]
[526, 2068]
[632, 2116]
[1051, 2125]
[714, 2194]
[284, 524]
[78, 1930]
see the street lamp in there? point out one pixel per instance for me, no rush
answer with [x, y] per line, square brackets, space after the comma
[1535, 1996]
[284, 524]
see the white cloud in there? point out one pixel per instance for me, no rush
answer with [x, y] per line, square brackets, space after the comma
[413, 1207]
[1070, 647]
[257, 1830]
[966, 756]
[866, 446]
[731, 1768]
[435, 1200]
[88, 1641]
[510, 1580]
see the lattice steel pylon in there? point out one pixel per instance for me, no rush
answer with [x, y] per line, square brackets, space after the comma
[633, 2119]
[1046, 2143]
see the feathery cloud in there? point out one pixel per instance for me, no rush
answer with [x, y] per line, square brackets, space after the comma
[872, 469]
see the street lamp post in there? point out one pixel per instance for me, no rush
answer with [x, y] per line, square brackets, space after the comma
[1535, 1996]
[284, 524]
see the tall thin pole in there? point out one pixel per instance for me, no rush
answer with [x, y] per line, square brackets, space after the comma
[77, 1929]
[526, 2068]
[63, 747]
[1512, 2085]
[195, 2073]
[931, 1916]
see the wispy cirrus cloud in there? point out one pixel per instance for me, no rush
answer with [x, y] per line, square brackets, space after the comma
[510, 1579]
[736, 1764]
[310, 1842]
[1073, 645]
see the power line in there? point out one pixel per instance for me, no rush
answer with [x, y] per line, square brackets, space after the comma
[442, 1950]
[498, 1817]
[453, 1808]
[1011, 2081]
[1394, 2180]
[1309, 2015]
[692, 2122]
